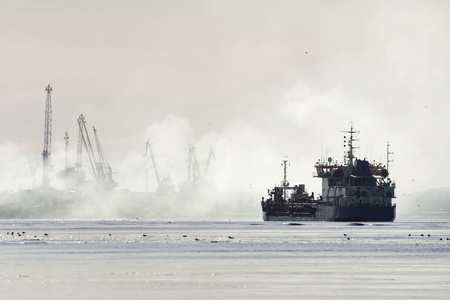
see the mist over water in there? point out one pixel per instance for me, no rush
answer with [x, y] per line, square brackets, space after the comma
[225, 191]
[251, 82]
[246, 163]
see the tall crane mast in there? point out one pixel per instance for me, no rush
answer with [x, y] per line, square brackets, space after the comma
[79, 164]
[47, 139]
[66, 149]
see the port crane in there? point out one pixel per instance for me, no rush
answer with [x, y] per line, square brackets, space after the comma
[164, 182]
[196, 183]
[73, 176]
[98, 165]
[211, 155]
[194, 172]
[193, 168]
[47, 139]
[66, 149]
[103, 167]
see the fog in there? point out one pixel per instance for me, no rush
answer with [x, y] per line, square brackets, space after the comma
[253, 80]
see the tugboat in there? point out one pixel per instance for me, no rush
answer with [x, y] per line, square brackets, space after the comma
[353, 191]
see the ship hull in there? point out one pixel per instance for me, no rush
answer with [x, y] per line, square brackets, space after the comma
[341, 214]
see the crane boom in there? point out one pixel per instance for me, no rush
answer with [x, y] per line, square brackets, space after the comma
[104, 169]
[99, 168]
[148, 149]
[211, 155]
[192, 165]
[84, 139]
[101, 160]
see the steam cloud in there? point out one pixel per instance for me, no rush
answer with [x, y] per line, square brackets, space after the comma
[283, 82]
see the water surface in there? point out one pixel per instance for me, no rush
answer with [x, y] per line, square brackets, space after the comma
[140, 259]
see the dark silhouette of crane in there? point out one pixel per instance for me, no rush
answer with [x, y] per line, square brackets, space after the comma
[47, 139]
[98, 165]
[165, 186]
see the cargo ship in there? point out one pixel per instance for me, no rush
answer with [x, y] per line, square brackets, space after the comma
[352, 191]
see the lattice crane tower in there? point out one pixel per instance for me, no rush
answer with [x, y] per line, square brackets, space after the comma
[47, 139]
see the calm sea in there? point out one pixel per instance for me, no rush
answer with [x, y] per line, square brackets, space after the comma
[142, 259]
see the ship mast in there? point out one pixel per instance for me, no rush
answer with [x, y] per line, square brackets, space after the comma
[387, 156]
[47, 139]
[284, 164]
[285, 183]
[350, 155]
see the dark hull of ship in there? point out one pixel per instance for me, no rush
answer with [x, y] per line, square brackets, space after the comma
[337, 214]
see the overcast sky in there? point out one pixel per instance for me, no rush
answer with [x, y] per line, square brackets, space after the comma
[254, 80]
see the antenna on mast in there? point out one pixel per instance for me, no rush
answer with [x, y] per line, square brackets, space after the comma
[285, 183]
[284, 163]
[350, 141]
[387, 156]
[47, 139]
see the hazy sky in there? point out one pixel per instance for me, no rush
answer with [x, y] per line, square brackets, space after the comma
[254, 80]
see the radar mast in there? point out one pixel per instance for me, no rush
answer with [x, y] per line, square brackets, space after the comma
[349, 155]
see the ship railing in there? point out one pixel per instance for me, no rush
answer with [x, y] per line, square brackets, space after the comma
[321, 174]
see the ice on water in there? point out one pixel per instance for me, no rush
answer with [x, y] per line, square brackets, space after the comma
[169, 259]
